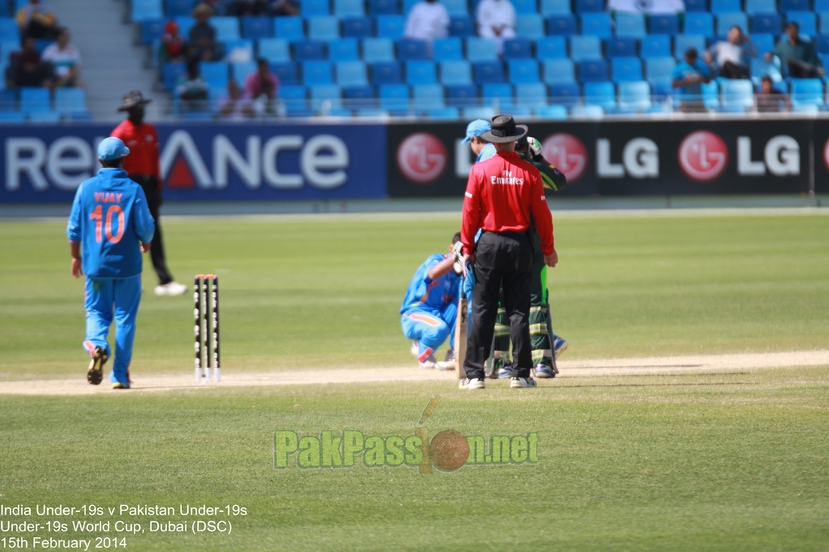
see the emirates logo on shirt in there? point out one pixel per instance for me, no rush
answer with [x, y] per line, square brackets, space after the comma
[422, 158]
[506, 178]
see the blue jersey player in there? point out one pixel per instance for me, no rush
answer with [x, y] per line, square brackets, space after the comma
[111, 224]
[430, 308]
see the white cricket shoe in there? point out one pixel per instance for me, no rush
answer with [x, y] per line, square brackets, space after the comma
[521, 383]
[171, 288]
[450, 362]
[429, 364]
[467, 383]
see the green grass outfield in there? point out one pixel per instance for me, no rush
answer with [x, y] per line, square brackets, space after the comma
[682, 460]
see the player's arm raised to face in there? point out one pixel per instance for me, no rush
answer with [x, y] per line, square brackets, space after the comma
[471, 221]
[440, 269]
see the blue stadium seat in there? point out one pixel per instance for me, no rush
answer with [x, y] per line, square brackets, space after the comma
[585, 47]
[447, 49]
[174, 8]
[34, 100]
[462, 95]
[462, 26]
[529, 26]
[394, 98]
[408, 5]
[525, 6]
[227, 28]
[522, 71]
[171, 72]
[233, 47]
[343, 49]
[821, 6]
[663, 24]
[383, 7]
[558, 70]
[141, 10]
[428, 96]
[378, 49]
[323, 94]
[592, 70]
[626, 69]
[488, 72]
[759, 68]
[823, 44]
[295, 99]
[823, 28]
[696, 6]
[699, 24]
[552, 112]
[44, 117]
[274, 49]
[764, 42]
[350, 73]
[323, 27]
[806, 20]
[286, 72]
[601, 93]
[241, 69]
[316, 72]
[289, 28]
[551, 47]
[634, 96]
[596, 24]
[456, 72]
[443, 113]
[390, 26]
[794, 5]
[562, 25]
[760, 6]
[807, 92]
[409, 49]
[727, 20]
[770, 23]
[307, 50]
[216, 73]
[481, 49]
[659, 69]
[630, 24]
[254, 28]
[589, 6]
[500, 93]
[532, 95]
[70, 101]
[662, 91]
[737, 93]
[565, 93]
[621, 46]
[455, 7]
[555, 7]
[151, 30]
[358, 27]
[654, 46]
[725, 6]
[310, 8]
[518, 48]
[348, 8]
[387, 72]
[421, 72]
[12, 117]
[683, 42]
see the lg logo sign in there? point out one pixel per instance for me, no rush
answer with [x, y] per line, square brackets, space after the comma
[703, 156]
[421, 158]
[567, 153]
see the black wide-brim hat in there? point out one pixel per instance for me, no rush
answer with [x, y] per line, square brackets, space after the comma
[503, 130]
[132, 99]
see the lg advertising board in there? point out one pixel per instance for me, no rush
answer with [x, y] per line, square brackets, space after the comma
[206, 162]
[622, 158]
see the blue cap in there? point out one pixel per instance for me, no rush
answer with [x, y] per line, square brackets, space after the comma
[476, 128]
[111, 149]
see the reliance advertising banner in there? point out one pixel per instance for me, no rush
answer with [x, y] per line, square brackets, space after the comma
[206, 162]
[628, 158]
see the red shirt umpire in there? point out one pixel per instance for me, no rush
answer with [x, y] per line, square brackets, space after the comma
[502, 194]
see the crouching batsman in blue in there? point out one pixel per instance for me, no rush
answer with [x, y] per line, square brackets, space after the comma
[430, 308]
[109, 228]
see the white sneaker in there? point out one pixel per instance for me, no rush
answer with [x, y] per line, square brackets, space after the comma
[450, 362]
[429, 364]
[467, 383]
[171, 288]
[521, 383]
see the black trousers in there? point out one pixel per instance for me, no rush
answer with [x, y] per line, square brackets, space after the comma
[501, 260]
[150, 186]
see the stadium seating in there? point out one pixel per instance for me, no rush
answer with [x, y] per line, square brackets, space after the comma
[551, 47]
[620, 46]
[343, 49]
[455, 72]
[387, 72]
[601, 93]
[257, 27]
[808, 92]
[447, 49]
[462, 95]
[378, 49]
[585, 47]
[289, 28]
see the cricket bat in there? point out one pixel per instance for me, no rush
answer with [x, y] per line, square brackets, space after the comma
[461, 326]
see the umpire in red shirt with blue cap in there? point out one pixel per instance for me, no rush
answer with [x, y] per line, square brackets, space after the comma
[502, 194]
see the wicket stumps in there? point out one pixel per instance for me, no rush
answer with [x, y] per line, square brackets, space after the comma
[206, 328]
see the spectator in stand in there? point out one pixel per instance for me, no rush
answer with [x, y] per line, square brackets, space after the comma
[235, 106]
[768, 99]
[65, 60]
[796, 54]
[427, 21]
[496, 20]
[192, 89]
[248, 7]
[283, 7]
[27, 68]
[730, 55]
[37, 20]
[262, 85]
[688, 78]
[203, 45]
[173, 45]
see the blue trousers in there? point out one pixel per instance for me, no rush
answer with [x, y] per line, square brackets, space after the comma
[430, 327]
[107, 299]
